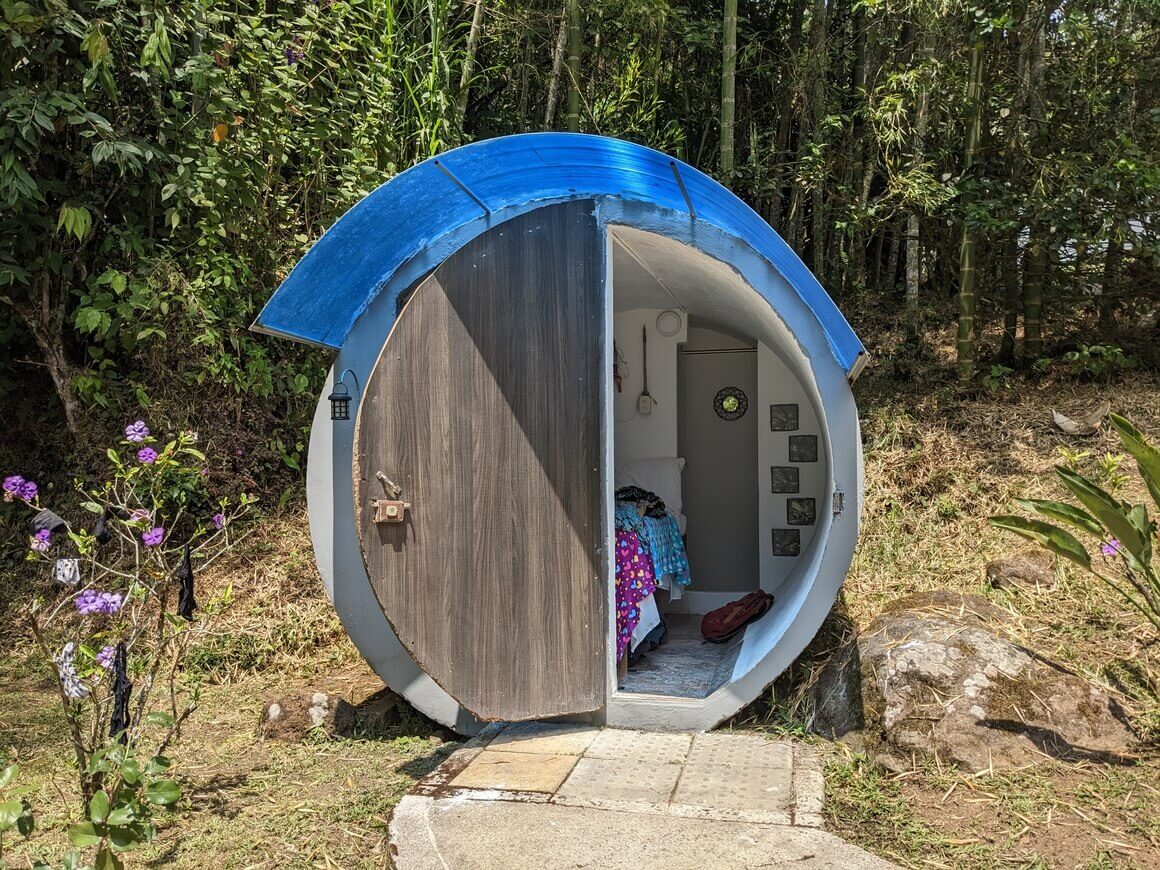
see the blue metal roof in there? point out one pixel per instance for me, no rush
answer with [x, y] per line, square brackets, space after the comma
[346, 268]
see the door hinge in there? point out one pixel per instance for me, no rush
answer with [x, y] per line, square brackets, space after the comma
[839, 502]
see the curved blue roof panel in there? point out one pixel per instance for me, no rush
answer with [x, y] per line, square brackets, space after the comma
[346, 268]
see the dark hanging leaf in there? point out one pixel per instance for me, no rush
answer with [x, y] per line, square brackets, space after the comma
[101, 529]
[122, 689]
[185, 600]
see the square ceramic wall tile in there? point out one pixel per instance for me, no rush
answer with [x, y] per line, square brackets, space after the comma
[515, 771]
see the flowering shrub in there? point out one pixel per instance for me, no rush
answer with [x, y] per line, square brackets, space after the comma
[1127, 536]
[113, 621]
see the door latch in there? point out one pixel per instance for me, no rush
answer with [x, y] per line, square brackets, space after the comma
[390, 510]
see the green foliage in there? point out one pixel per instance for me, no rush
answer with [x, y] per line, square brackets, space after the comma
[159, 182]
[120, 815]
[1126, 534]
[1097, 362]
[998, 378]
[152, 516]
[15, 811]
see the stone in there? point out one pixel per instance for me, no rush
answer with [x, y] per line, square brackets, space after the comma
[1031, 569]
[937, 679]
[294, 717]
[836, 694]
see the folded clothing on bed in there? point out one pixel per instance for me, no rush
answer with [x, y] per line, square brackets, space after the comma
[663, 538]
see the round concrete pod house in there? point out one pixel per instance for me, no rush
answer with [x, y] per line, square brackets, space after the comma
[523, 325]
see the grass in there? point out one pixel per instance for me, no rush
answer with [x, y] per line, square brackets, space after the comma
[939, 461]
[247, 802]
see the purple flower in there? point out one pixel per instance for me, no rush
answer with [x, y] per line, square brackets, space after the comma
[152, 537]
[137, 432]
[138, 514]
[147, 455]
[41, 541]
[28, 491]
[219, 520]
[294, 52]
[105, 657]
[91, 601]
[13, 484]
[1110, 548]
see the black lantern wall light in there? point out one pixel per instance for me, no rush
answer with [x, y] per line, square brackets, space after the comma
[340, 401]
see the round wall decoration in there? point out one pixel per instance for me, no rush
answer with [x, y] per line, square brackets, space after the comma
[730, 403]
[668, 323]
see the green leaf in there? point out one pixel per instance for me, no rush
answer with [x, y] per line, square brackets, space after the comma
[1064, 512]
[1046, 535]
[108, 860]
[1147, 457]
[163, 792]
[122, 816]
[157, 717]
[158, 764]
[1112, 514]
[84, 835]
[8, 774]
[131, 771]
[99, 807]
[10, 813]
[75, 220]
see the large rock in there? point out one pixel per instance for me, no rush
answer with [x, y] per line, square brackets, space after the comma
[1032, 569]
[935, 676]
[294, 717]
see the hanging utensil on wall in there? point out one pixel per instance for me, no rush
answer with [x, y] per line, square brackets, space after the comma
[645, 403]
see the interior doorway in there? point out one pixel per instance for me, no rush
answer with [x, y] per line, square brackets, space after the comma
[717, 376]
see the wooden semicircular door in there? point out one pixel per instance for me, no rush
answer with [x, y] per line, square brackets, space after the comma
[485, 408]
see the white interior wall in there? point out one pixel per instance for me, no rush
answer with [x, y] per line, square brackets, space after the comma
[639, 436]
[680, 280]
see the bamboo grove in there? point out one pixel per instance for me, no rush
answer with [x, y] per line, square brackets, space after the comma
[986, 165]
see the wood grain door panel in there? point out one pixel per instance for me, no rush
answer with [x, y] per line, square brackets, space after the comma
[485, 406]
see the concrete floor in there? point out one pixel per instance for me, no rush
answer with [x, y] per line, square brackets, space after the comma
[546, 796]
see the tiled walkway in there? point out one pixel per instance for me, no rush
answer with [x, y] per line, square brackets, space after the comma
[650, 792]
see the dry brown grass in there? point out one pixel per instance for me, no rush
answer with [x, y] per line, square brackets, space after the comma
[939, 462]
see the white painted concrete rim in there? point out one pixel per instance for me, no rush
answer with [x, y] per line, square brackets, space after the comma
[330, 497]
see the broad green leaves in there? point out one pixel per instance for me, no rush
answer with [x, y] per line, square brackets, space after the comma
[15, 812]
[1125, 531]
[1147, 457]
[1046, 535]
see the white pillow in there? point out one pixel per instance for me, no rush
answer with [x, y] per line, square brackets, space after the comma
[661, 475]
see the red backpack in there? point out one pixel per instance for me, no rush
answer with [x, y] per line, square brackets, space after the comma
[726, 622]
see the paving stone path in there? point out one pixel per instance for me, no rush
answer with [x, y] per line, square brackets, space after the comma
[541, 795]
